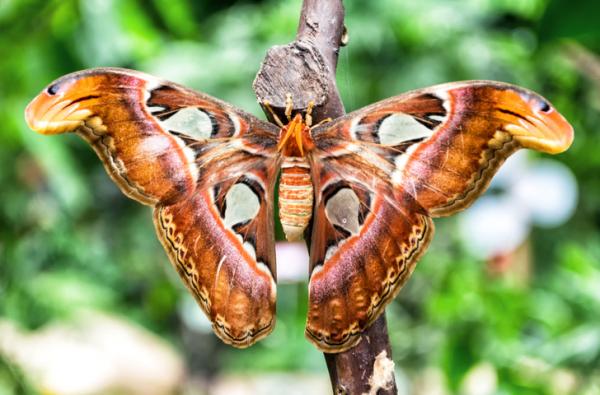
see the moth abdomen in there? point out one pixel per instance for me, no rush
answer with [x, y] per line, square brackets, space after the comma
[295, 197]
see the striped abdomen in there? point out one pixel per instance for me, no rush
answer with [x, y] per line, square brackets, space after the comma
[295, 197]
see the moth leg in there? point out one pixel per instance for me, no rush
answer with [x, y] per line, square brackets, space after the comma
[289, 105]
[321, 122]
[267, 105]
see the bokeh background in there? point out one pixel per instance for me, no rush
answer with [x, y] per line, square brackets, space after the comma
[506, 301]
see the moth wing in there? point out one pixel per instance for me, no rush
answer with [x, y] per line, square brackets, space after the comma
[208, 170]
[365, 243]
[387, 168]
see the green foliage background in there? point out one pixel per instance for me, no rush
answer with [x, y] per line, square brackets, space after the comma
[70, 240]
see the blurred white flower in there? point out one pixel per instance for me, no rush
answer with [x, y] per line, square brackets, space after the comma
[549, 191]
[527, 193]
[94, 354]
[481, 379]
[292, 261]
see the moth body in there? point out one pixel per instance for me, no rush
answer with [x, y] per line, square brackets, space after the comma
[295, 184]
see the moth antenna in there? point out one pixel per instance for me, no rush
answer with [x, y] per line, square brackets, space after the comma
[289, 105]
[308, 117]
[267, 105]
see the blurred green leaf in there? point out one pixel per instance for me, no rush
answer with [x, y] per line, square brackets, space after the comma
[70, 240]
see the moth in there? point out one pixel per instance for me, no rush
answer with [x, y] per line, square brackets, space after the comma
[370, 182]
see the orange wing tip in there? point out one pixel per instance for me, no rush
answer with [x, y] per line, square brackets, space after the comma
[552, 134]
[53, 115]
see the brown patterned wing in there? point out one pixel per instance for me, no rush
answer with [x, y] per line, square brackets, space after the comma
[365, 243]
[443, 144]
[382, 171]
[207, 169]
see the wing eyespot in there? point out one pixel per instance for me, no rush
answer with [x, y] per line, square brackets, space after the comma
[52, 89]
[544, 106]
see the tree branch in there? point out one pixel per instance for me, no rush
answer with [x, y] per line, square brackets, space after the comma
[305, 69]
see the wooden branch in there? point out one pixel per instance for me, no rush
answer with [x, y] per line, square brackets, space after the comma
[305, 69]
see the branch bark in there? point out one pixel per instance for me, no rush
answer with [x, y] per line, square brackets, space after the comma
[305, 69]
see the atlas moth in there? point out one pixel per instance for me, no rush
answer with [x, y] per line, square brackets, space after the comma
[370, 182]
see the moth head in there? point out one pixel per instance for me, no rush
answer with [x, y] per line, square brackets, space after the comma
[64, 105]
[295, 138]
